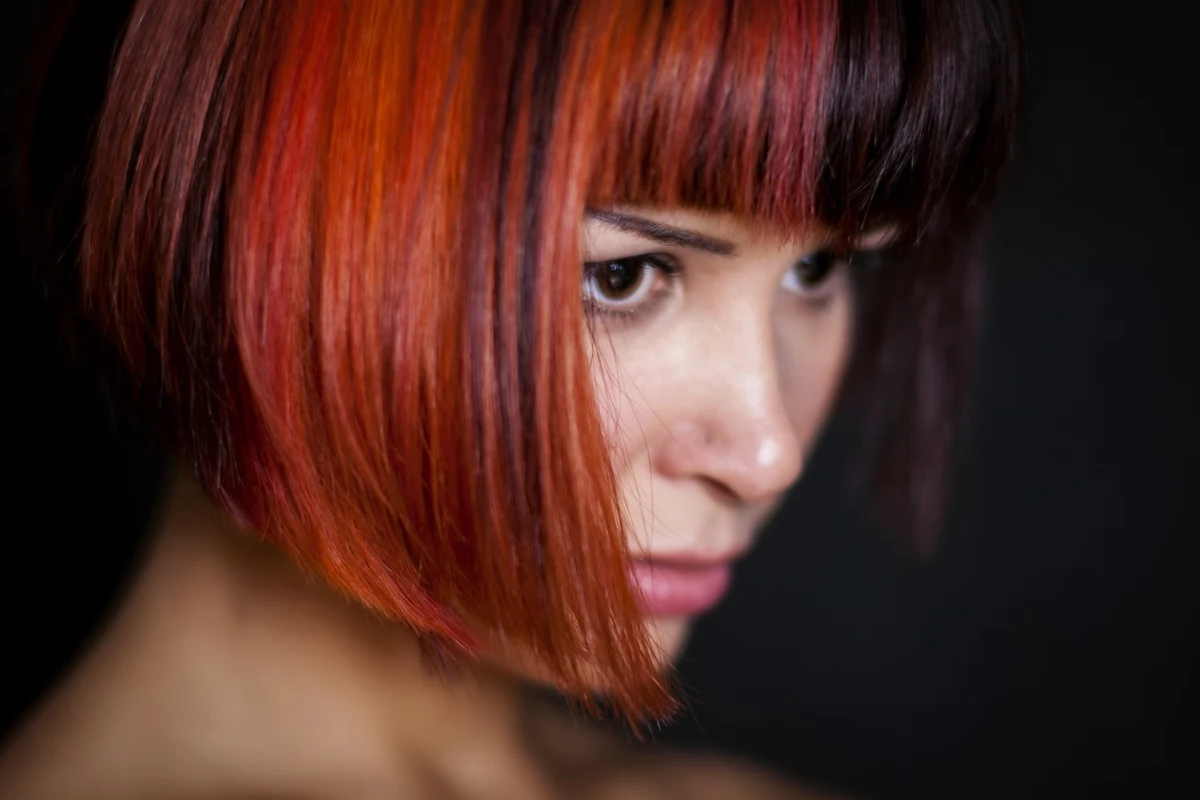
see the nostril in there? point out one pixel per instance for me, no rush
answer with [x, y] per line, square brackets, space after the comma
[722, 491]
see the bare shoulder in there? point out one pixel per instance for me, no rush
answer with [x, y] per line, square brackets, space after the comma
[664, 775]
[597, 765]
[708, 776]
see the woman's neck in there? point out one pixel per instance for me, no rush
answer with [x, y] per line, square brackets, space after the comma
[256, 669]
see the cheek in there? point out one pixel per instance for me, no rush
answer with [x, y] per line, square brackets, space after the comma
[632, 379]
[635, 408]
[670, 635]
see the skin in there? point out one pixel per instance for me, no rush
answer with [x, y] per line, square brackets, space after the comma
[227, 673]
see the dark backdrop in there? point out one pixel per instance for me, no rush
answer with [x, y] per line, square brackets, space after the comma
[1046, 648]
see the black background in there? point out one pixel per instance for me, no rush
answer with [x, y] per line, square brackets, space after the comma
[1047, 648]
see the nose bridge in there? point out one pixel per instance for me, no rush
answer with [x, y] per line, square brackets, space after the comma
[740, 431]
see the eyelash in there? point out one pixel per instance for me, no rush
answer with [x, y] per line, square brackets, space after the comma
[832, 262]
[669, 268]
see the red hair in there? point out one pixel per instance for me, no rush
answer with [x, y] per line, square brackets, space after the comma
[335, 245]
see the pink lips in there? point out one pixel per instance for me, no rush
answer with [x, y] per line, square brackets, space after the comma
[678, 588]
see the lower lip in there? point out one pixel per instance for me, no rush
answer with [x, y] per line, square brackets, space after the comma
[673, 590]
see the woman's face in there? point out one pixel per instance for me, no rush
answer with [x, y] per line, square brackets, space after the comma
[716, 356]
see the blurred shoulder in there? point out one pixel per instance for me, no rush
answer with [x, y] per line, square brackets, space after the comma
[592, 764]
[707, 776]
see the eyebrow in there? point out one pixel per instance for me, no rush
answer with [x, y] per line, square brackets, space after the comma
[662, 233]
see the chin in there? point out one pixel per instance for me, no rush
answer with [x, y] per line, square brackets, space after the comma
[670, 636]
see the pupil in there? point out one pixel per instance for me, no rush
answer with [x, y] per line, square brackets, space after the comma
[814, 268]
[620, 278]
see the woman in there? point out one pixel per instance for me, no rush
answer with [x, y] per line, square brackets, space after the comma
[486, 335]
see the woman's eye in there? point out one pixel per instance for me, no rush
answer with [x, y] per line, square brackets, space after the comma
[621, 285]
[813, 272]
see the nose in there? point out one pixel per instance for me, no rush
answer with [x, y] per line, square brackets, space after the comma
[731, 426]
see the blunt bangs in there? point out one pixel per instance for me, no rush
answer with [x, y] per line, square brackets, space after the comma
[845, 114]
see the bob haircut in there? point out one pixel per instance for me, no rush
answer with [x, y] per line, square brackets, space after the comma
[333, 248]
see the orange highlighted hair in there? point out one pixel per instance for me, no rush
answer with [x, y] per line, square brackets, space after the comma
[334, 243]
